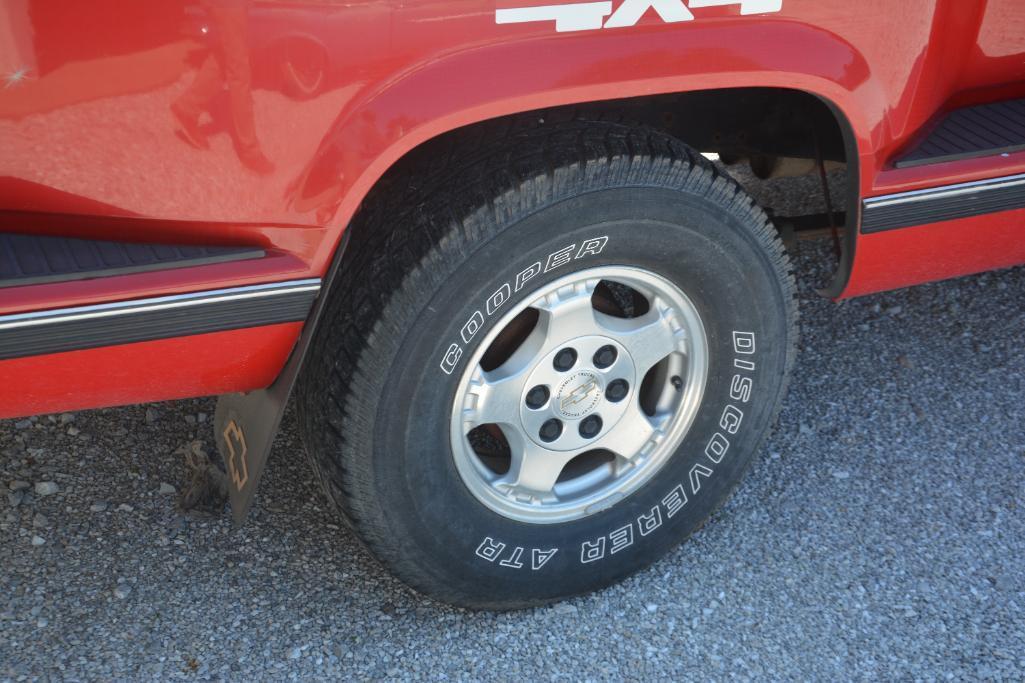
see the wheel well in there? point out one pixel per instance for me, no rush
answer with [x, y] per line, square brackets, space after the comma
[765, 129]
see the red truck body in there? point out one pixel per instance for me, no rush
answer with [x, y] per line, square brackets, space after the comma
[92, 147]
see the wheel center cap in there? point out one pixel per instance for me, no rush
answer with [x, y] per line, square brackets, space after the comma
[575, 395]
[578, 394]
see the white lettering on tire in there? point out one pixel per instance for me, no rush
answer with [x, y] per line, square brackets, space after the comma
[649, 522]
[495, 301]
[716, 448]
[731, 418]
[539, 557]
[592, 552]
[696, 473]
[589, 247]
[675, 500]
[740, 388]
[472, 326]
[592, 247]
[452, 356]
[490, 549]
[744, 343]
[560, 258]
[527, 274]
[621, 538]
[513, 560]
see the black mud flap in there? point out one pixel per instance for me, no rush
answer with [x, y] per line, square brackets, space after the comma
[245, 424]
[245, 427]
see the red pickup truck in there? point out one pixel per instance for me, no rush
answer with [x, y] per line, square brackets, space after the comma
[535, 334]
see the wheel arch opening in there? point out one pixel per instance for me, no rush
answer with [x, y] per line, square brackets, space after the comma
[762, 135]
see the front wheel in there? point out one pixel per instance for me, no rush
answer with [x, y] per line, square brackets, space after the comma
[562, 364]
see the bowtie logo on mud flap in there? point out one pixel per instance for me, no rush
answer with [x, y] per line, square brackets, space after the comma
[236, 449]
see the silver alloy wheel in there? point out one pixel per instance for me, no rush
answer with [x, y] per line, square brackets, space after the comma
[590, 404]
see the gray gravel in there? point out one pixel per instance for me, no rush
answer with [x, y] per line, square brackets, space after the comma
[880, 535]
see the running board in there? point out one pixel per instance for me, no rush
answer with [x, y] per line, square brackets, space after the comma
[42, 259]
[972, 132]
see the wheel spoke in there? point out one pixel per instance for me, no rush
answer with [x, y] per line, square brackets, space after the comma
[649, 338]
[533, 471]
[568, 313]
[494, 398]
[632, 436]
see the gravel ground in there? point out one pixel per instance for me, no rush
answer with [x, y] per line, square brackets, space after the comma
[880, 535]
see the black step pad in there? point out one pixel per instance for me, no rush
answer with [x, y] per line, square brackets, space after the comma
[982, 130]
[39, 259]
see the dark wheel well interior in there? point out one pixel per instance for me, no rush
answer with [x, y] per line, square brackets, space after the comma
[758, 133]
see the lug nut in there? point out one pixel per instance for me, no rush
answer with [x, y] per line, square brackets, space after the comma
[590, 426]
[605, 356]
[550, 430]
[565, 359]
[537, 397]
[617, 390]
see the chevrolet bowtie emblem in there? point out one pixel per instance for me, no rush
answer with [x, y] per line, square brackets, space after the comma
[578, 395]
[235, 440]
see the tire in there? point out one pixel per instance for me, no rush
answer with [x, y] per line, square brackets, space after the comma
[416, 306]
